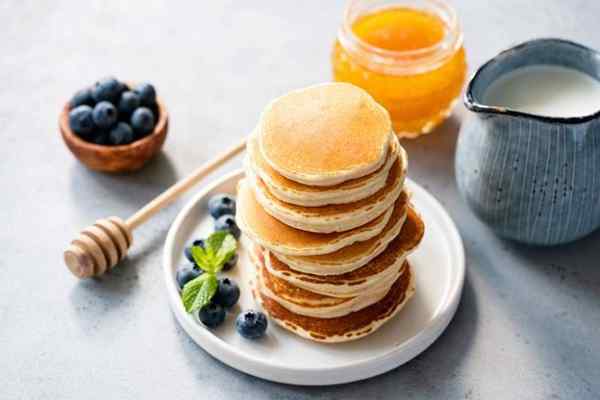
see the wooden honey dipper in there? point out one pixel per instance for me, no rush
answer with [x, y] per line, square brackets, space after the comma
[99, 247]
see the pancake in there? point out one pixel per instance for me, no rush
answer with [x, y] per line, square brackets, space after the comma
[325, 134]
[310, 304]
[269, 232]
[347, 285]
[334, 217]
[345, 328]
[353, 256]
[382, 268]
[313, 196]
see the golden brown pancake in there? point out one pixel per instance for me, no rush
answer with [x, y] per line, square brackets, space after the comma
[349, 327]
[305, 302]
[354, 256]
[275, 235]
[300, 194]
[292, 293]
[325, 134]
[349, 284]
[334, 217]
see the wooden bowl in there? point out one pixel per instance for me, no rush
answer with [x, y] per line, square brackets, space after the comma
[124, 158]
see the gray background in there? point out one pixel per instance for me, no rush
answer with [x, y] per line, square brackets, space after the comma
[529, 322]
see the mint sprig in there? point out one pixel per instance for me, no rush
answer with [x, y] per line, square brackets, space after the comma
[218, 249]
[198, 292]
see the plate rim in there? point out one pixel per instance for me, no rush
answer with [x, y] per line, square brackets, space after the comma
[368, 367]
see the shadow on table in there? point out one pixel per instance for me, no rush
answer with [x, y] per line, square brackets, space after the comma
[117, 288]
[133, 189]
[431, 156]
[551, 295]
[574, 265]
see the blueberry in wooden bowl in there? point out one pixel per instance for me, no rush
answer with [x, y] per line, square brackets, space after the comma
[113, 126]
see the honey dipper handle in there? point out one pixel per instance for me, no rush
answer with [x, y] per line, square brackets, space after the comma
[171, 194]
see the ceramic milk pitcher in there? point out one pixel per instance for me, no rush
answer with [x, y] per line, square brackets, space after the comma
[532, 178]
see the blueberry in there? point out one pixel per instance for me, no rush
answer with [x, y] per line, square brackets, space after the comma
[199, 242]
[221, 204]
[188, 250]
[227, 223]
[230, 263]
[212, 315]
[147, 93]
[155, 112]
[120, 134]
[82, 97]
[142, 121]
[104, 114]
[251, 324]
[100, 137]
[107, 89]
[185, 274]
[123, 87]
[128, 102]
[228, 293]
[81, 121]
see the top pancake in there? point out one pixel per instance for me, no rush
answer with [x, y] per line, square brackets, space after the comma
[325, 134]
[314, 196]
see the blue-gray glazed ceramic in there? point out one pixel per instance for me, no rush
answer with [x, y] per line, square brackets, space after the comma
[531, 178]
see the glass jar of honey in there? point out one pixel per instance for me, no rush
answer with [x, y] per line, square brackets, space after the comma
[408, 54]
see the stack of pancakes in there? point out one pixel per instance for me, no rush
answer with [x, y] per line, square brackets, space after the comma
[324, 204]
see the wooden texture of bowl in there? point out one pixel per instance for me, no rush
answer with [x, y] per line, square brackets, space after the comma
[124, 158]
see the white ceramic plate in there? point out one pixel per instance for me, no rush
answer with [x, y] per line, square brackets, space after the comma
[439, 267]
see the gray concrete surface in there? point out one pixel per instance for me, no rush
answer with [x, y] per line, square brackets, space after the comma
[528, 326]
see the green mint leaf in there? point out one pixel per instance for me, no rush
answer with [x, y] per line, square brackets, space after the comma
[203, 258]
[226, 251]
[215, 240]
[219, 248]
[190, 291]
[206, 292]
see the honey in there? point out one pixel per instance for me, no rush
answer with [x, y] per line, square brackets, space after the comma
[408, 55]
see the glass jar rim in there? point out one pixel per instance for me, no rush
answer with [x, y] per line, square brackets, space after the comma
[403, 61]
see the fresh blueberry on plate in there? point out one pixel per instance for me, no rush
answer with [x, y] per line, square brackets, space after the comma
[82, 97]
[227, 223]
[107, 89]
[185, 274]
[147, 93]
[199, 242]
[221, 204]
[104, 114]
[230, 263]
[251, 324]
[212, 315]
[228, 293]
[120, 134]
[142, 121]
[188, 250]
[81, 121]
[128, 102]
